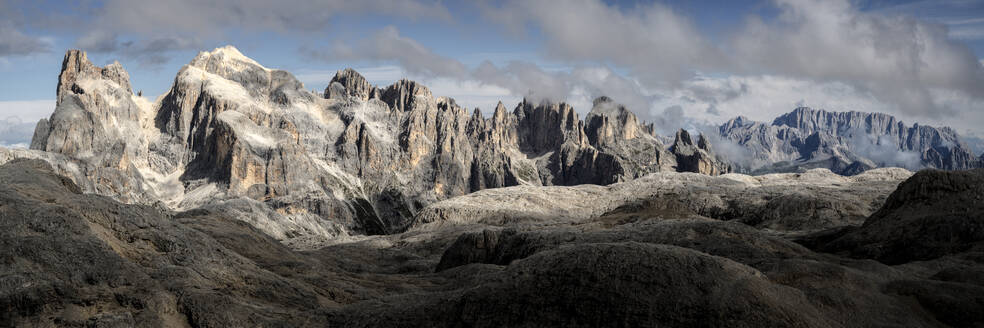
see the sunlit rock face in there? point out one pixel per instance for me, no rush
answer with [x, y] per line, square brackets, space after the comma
[356, 159]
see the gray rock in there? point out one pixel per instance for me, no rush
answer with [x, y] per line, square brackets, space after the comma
[356, 160]
[696, 157]
[350, 84]
[932, 214]
[75, 259]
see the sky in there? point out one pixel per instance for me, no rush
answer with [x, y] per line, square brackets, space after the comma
[675, 63]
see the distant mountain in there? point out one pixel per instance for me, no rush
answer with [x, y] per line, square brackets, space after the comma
[307, 167]
[844, 142]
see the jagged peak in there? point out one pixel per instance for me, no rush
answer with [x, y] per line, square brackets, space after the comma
[740, 120]
[402, 94]
[682, 138]
[76, 65]
[347, 73]
[355, 85]
[703, 143]
[500, 111]
[416, 88]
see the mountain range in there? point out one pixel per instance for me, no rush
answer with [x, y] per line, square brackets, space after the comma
[309, 167]
[240, 198]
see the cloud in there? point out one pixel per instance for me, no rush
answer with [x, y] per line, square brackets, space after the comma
[18, 119]
[147, 29]
[883, 150]
[379, 75]
[701, 98]
[388, 45]
[15, 43]
[651, 41]
[15, 133]
[27, 111]
[898, 59]
[893, 61]
[577, 86]
[967, 32]
[763, 97]
[192, 17]
[467, 93]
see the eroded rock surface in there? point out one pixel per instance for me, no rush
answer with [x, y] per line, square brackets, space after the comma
[75, 259]
[931, 215]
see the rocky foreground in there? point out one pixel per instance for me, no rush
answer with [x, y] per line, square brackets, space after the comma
[669, 249]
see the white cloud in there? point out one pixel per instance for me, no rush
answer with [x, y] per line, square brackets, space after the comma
[898, 59]
[908, 66]
[18, 119]
[471, 94]
[154, 27]
[967, 32]
[653, 42]
[15, 133]
[762, 97]
[377, 75]
[514, 80]
[388, 45]
[27, 110]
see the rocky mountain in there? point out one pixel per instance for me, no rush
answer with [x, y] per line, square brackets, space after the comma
[308, 168]
[844, 142]
[240, 198]
[668, 249]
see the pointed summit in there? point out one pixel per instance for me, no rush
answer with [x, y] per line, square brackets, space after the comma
[350, 83]
[402, 94]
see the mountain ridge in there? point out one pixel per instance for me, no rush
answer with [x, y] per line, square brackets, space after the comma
[359, 159]
[846, 142]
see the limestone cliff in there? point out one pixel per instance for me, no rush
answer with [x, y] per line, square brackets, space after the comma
[306, 167]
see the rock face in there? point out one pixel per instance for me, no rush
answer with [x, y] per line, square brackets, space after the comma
[933, 214]
[75, 259]
[350, 84]
[358, 159]
[696, 157]
[844, 142]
